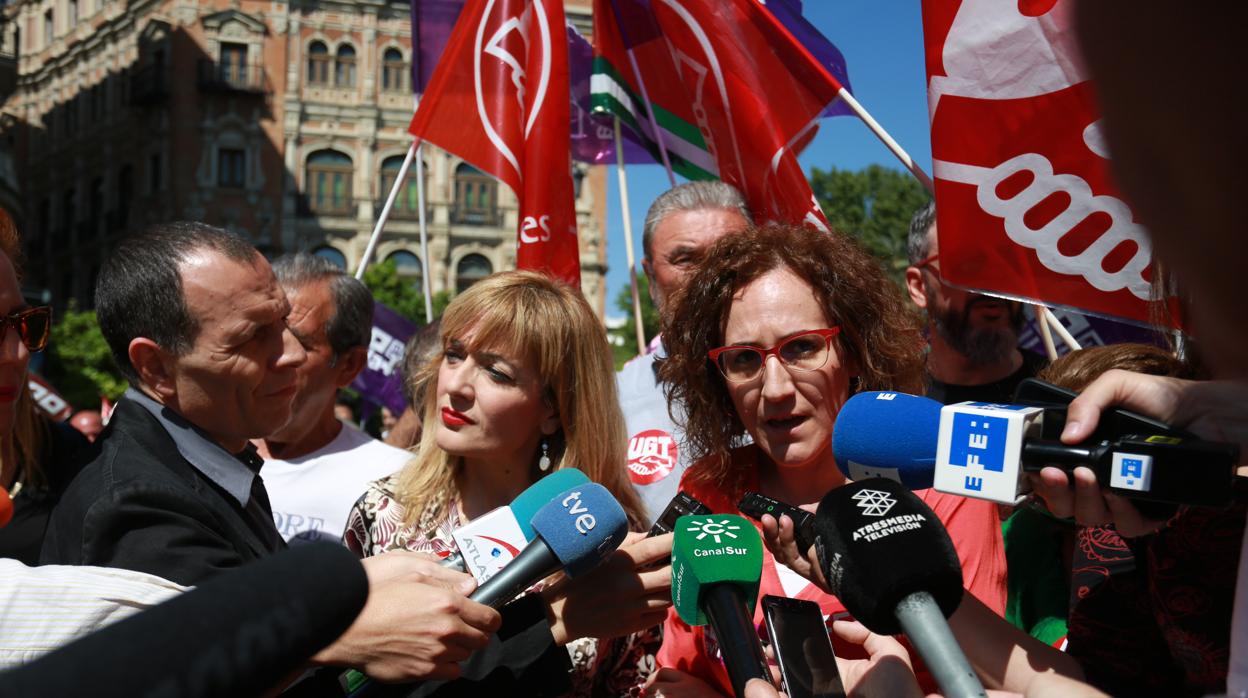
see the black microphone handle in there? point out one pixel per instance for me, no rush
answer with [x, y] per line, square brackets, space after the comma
[929, 632]
[725, 607]
[535, 563]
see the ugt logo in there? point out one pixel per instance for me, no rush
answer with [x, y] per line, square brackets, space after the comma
[505, 62]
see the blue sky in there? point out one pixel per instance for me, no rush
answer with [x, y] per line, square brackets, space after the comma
[882, 41]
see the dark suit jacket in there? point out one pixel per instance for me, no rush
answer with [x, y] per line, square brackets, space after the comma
[139, 505]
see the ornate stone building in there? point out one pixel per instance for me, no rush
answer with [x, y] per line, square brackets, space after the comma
[284, 120]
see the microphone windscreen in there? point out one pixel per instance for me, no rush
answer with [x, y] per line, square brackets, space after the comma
[581, 526]
[713, 549]
[540, 493]
[239, 634]
[878, 543]
[890, 435]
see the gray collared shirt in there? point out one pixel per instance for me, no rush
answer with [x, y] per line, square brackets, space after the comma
[233, 473]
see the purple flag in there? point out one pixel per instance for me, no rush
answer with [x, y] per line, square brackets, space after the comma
[789, 12]
[381, 381]
[1089, 331]
[432, 21]
[593, 136]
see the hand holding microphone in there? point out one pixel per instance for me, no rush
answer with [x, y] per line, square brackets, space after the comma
[1209, 409]
[624, 595]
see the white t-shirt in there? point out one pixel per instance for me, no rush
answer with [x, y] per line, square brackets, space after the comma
[312, 495]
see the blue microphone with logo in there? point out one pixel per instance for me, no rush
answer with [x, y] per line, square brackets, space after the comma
[506, 526]
[576, 531]
[981, 450]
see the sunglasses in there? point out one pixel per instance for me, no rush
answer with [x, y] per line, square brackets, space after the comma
[805, 351]
[32, 325]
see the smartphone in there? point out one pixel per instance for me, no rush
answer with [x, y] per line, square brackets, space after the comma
[680, 505]
[799, 638]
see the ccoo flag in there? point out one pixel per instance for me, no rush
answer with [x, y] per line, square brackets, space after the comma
[1026, 205]
[499, 98]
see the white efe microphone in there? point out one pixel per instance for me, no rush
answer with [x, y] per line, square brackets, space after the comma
[981, 450]
[490, 542]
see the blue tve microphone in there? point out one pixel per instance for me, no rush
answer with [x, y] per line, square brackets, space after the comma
[517, 515]
[576, 531]
[888, 435]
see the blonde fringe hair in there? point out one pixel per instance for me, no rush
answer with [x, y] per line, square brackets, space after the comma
[30, 428]
[548, 324]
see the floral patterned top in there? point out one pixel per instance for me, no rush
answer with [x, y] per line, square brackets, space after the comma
[612, 667]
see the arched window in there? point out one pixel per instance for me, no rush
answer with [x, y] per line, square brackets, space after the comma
[393, 71]
[329, 175]
[318, 63]
[407, 204]
[344, 67]
[332, 254]
[408, 267]
[471, 269]
[476, 197]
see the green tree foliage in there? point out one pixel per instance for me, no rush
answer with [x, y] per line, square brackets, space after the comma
[628, 333]
[80, 365]
[874, 205]
[399, 294]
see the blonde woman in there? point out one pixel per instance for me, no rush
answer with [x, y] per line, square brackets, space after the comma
[524, 386]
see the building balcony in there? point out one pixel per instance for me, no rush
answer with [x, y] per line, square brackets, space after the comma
[148, 86]
[327, 208]
[218, 76]
[464, 215]
[399, 212]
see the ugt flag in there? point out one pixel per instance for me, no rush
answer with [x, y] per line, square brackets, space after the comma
[757, 95]
[499, 98]
[1025, 203]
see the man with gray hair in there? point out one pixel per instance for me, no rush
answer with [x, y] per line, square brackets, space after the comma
[316, 466]
[973, 338]
[680, 225]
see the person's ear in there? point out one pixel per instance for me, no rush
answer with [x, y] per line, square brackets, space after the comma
[651, 287]
[349, 365]
[916, 286]
[550, 416]
[155, 367]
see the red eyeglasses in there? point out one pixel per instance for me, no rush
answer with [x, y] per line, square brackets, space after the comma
[805, 351]
[32, 325]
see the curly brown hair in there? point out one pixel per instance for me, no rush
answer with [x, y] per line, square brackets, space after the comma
[1077, 369]
[879, 332]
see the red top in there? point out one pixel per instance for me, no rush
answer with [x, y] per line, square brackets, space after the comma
[973, 525]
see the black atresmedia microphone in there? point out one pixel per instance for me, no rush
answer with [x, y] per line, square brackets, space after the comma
[888, 558]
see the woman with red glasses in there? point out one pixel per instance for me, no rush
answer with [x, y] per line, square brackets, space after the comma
[29, 443]
[768, 340]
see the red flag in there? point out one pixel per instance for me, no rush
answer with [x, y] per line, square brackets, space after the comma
[499, 99]
[756, 94]
[1025, 203]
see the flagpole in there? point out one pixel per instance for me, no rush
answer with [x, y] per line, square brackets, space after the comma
[385, 211]
[886, 139]
[645, 97]
[654, 124]
[628, 238]
[1045, 335]
[858, 109]
[425, 282]
[1061, 330]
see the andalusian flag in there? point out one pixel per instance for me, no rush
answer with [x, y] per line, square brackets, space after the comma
[627, 40]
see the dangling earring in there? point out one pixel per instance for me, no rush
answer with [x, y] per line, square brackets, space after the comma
[543, 463]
